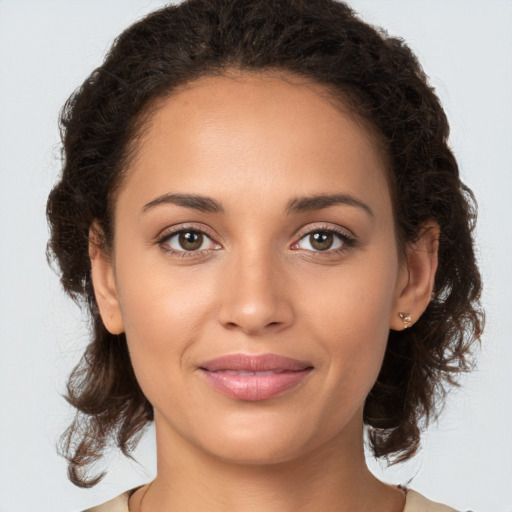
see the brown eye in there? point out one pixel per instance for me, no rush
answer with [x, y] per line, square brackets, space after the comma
[190, 240]
[324, 241]
[321, 241]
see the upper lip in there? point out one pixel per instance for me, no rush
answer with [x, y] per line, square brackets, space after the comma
[255, 363]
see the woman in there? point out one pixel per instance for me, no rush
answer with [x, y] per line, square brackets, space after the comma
[259, 207]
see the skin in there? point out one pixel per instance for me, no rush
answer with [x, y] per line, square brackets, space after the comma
[253, 144]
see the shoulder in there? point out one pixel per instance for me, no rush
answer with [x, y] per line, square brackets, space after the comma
[415, 502]
[119, 504]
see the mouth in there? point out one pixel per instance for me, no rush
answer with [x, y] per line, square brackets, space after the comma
[254, 378]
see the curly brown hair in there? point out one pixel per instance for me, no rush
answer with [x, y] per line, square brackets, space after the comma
[381, 81]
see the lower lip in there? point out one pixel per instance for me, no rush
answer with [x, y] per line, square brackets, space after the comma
[254, 388]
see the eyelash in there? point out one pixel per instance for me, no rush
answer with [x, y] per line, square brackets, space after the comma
[348, 241]
[166, 236]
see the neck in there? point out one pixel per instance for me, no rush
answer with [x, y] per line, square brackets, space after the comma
[331, 477]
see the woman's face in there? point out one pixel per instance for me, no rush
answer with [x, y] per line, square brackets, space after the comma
[254, 221]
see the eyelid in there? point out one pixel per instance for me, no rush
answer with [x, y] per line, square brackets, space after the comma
[347, 237]
[324, 226]
[166, 234]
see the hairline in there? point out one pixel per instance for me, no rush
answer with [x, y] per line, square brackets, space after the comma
[342, 98]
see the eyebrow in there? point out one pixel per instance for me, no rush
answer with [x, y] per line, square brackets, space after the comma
[319, 201]
[296, 205]
[196, 202]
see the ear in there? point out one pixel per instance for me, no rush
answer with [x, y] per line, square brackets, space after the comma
[104, 283]
[416, 278]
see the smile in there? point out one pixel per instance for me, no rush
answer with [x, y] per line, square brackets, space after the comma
[254, 378]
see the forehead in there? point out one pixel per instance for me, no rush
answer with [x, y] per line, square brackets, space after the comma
[255, 131]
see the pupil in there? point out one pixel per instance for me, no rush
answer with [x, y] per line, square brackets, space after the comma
[321, 241]
[190, 240]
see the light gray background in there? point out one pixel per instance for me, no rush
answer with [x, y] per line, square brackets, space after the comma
[47, 48]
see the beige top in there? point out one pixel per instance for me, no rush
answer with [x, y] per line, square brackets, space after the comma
[414, 502]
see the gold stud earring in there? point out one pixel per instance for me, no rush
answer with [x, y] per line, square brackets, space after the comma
[406, 319]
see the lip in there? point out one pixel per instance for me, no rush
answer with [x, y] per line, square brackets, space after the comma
[254, 377]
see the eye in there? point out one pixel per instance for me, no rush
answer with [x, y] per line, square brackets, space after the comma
[323, 240]
[187, 240]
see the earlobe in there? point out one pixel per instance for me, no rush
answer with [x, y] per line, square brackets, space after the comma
[416, 282]
[104, 283]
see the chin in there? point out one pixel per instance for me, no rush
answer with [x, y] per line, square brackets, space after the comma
[265, 439]
[256, 452]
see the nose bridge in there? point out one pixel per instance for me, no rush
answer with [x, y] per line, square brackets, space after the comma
[255, 297]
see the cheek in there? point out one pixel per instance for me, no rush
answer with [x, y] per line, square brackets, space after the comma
[164, 313]
[341, 320]
[350, 321]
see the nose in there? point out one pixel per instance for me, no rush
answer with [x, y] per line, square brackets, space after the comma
[255, 297]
